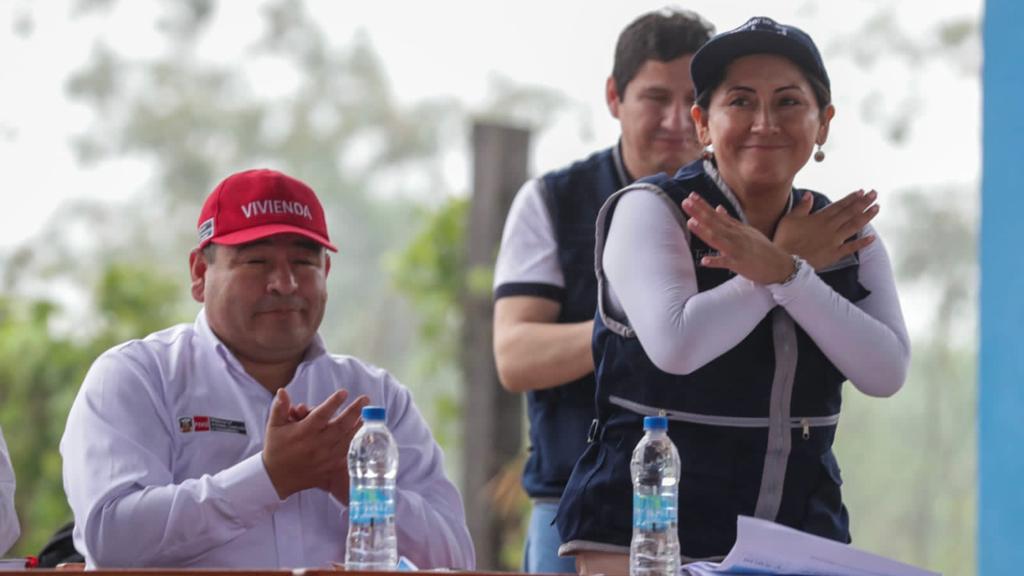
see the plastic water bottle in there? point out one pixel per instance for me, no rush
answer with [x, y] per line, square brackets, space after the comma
[372, 467]
[654, 550]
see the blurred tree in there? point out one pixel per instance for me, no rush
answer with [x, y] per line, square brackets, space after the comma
[429, 271]
[330, 118]
[910, 461]
[40, 373]
[432, 272]
[882, 40]
[336, 124]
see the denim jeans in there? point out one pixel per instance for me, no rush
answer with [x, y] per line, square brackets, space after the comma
[540, 554]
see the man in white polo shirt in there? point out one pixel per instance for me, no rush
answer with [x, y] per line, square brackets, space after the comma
[545, 289]
[220, 443]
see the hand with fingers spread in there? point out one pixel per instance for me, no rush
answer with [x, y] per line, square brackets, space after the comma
[823, 238]
[339, 484]
[741, 248]
[307, 448]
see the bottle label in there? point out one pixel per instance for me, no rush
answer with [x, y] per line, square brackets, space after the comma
[370, 505]
[654, 512]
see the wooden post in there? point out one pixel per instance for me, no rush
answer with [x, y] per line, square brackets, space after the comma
[492, 417]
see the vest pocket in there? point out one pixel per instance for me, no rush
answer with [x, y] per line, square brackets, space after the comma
[597, 502]
[824, 512]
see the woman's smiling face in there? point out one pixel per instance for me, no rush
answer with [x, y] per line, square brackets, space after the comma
[763, 121]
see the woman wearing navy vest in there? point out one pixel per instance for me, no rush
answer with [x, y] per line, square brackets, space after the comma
[737, 305]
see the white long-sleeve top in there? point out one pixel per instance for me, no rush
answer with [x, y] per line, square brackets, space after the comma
[9, 527]
[652, 279]
[163, 463]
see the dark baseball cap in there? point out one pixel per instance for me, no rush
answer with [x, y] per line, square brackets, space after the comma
[759, 35]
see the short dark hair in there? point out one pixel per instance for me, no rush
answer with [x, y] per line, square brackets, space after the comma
[821, 92]
[209, 252]
[661, 35]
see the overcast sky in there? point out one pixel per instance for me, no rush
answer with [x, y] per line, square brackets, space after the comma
[455, 48]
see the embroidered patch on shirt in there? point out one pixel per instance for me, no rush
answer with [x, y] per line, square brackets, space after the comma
[210, 424]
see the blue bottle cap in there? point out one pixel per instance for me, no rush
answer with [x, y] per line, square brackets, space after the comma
[373, 413]
[654, 423]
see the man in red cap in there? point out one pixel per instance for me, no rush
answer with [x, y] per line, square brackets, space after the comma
[220, 443]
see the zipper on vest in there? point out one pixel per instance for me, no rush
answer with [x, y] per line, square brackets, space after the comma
[807, 428]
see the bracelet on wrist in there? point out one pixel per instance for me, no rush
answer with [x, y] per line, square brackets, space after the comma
[798, 263]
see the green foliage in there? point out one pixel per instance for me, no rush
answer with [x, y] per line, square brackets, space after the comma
[135, 300]
[37, 372]
[429, 271]
[40, 371]
[909, 463]
[337, 125]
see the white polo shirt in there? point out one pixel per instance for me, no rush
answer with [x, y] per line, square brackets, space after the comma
[529, 249]
[9, 528]
[163, 464]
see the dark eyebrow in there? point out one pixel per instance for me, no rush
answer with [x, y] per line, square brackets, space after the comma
[307, 244]
[253, 244]
[301, 243]
[656, 90]
[741, 88]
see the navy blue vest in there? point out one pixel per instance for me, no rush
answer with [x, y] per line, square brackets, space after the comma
[561, 416]
[722, 465]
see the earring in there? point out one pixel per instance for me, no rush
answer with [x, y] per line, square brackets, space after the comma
[819, 156]
[708, 154]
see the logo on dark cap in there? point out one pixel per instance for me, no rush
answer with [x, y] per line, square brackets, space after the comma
[764, 23]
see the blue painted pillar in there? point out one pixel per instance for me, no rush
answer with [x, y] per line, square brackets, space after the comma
[1001, 377]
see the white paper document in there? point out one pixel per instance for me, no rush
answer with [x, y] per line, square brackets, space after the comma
[764, 547]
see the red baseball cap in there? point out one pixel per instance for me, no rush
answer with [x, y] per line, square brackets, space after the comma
[254, 204]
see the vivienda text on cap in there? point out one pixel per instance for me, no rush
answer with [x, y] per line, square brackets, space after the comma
[258, 207]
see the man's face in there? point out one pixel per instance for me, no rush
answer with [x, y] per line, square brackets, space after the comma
[264, 299]
[657, 131]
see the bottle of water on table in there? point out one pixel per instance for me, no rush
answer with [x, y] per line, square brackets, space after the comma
[372, 467]
[654, 550]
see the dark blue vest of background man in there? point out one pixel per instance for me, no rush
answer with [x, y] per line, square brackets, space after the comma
[544, 287]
